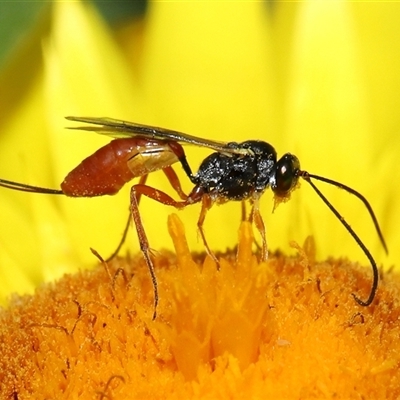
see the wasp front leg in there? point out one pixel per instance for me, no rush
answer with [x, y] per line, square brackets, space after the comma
[259, 223]
[206, 203]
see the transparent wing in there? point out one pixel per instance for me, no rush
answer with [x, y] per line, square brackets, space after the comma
[123, 129]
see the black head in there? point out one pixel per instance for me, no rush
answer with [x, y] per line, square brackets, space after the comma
[286, 175]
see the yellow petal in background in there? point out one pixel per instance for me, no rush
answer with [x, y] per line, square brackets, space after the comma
[300, 76]
[207, 70]
[81, 73]
[26, 158]
[331, 125]
[327, 123]
[378, 39]
[86, 76]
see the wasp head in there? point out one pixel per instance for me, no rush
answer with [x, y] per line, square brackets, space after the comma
[286, 176]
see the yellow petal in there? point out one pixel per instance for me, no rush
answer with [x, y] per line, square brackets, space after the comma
[86, 75]
[329, 128]
[207, 70]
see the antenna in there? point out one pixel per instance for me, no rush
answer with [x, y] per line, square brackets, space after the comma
[306, 176]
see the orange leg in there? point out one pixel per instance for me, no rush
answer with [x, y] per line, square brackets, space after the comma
[244, 212]
[194, 197]
[259, 223]
[136, 192]
[206, 204]
[128, 222]
[175, 183]
[144, 243]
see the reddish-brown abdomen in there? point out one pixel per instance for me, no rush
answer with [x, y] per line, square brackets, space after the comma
[104, 172]
[113, 165]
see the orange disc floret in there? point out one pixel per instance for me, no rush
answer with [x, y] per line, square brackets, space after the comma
[285, 328]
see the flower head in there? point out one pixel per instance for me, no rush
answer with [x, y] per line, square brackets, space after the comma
[317, 79]
[283, 329]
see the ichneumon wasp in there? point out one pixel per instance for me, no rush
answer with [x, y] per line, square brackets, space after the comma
[234, 171]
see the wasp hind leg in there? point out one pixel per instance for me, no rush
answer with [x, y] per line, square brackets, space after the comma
[176, 185]
[143, 190]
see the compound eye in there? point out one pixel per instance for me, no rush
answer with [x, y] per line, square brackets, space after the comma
[286, 175]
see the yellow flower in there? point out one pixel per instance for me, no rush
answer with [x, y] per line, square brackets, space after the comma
[279, 329]
[317, 79]
[298, 76]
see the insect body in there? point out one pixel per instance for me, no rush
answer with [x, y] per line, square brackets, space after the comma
[121, 161]
[235, 171]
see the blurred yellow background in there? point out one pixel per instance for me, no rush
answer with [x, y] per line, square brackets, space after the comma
[317, 79]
